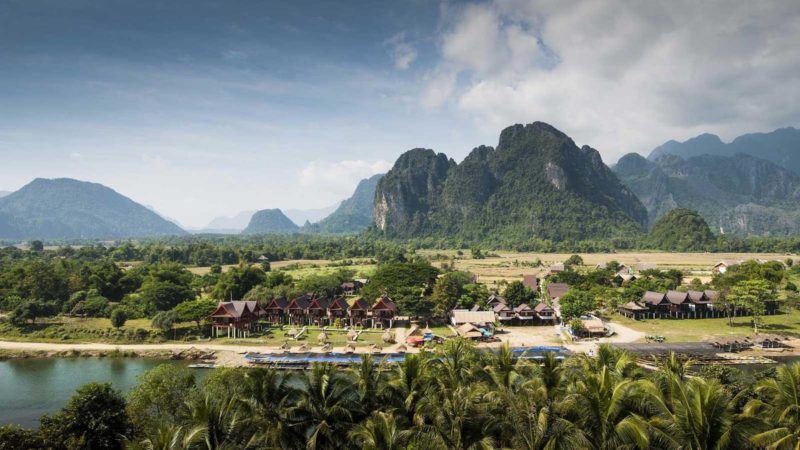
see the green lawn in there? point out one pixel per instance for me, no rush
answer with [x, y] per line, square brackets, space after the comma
[90, 329]
[694, 330]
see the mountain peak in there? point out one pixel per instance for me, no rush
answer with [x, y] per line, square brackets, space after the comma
[270, 221]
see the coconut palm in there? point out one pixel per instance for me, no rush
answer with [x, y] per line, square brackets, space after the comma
[368, 378]
[324, 411]
[172, 437]
[699, 415]
[380, 432]
[457, 416]
[779, 405]
[266, 397]
[504, 371]
[407, 384]
[456, 360]
[219, 419]
[607, 408]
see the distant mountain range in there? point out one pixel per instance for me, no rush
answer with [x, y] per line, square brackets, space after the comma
[536, 184]
[314, 215]
[270, 221]
[64, 208]
[354, 214]
[4, 193]
[735, 192]
[781, 146]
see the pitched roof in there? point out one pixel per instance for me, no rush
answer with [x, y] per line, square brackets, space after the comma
[384, 302]
[697, 297]
[318, 303]
[557, 267]
[633, 306]
[359, 304]
[653, 298]
[501, 307]
[522, 307]
[236, 309]
[301, 302]
[542, 307]
[494, 298]
[339, 303]
[711, 295]
[677, 297]
[557, 290]
[530, 281]
[278, 303]
[461, 316]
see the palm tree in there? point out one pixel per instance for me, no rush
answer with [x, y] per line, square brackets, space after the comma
[219, 419]
[699, 415]
[380, 432]
[172, 437]
[457, 416]
[324, 411]
[779, 405]
[266, 398]
[456, 359]
[407, 385]
[503, 371]
[607, 409]
[368, 378]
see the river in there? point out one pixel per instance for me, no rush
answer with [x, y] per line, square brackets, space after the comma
[32, 387]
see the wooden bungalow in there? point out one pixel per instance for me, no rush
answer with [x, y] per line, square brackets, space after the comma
[525, 313]
[722, 266]
[504, 312]
[337, 309]
[478, 318]
[494, 300]
[351, 287]
[556, 290]
[557, 267]
[531, 282]
[383, 312]
[633, 310]
[277, 310]
[545, 312]
[318, 311]
[235, 318]
[656, 302]
[678, 303]
[298, 309]
[358, 312]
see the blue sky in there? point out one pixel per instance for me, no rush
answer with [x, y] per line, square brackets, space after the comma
[202, 108]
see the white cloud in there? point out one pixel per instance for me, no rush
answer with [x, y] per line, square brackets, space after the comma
[622, 76]
[336, 180]
[403, 53]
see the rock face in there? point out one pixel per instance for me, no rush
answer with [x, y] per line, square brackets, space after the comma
[781, 147]
[270, 221]
[354, 214]
[64, 208]
[536, 184]
[737, 194]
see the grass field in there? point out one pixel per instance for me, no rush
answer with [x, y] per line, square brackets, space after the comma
[74, 329]
[300, 268]
[696, 330]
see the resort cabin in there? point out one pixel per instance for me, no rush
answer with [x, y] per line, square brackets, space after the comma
[495, 300]
[235, 318]
[678, 302]
[318, 310]
[383, 312]
[503, 312]
[545, 312]
[722, 266]
[478, 318]
[351, 287]
[298, 309]
[700, 304]
[531, 282]
[276, 309]
[594, 327]
[656, 302]
[337, 309]
[524, 312]
[557, 267]
[625, 276]
[469, 331]
[633, 310]
[358, 312]
[557, 290]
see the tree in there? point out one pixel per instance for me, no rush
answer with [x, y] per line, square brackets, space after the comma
[516, 294]
[13, 437]
[751, 295]
[266, 266]
[161, 395]
[94, 418]
[37, 246]
[576, 303]
[28, 311]
[195, 311]
[326, 406]
[237, 281]
[779, 403]
[163, 295]
[574, 260]
[118, 318]
[380, 432]
[165, 321]
[448, 290]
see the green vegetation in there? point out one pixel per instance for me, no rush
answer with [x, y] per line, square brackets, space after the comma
[270, 221]
[454, 398]
[681, 230]
[353, 215]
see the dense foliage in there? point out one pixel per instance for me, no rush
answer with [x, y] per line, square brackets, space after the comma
[681, 230]
[270, 221]
[454, 398]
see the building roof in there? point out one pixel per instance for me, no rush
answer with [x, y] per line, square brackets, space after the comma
[530, 281]
[339, 303]
[278, 303]
[542, 307]
[653, 298]
[522, 307]
[469, 331]
[500, 307]
[557, 290]
[633, 306]
[384, 302]
[463, 316]
[301, 302]
[319, 303]
[494, 298]
[594, 325]
[359, 304]
[729, 262]
[236, 309]
[711, 295]
[697, 297]
[557, 267]
[677, 297]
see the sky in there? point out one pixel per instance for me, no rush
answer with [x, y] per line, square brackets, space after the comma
[204, 108]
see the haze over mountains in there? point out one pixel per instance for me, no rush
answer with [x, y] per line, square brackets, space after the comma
[537, 183]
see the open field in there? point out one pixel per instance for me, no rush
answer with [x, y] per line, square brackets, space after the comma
[300, 268]
[89, 329]
[696, 330]
[512, 266]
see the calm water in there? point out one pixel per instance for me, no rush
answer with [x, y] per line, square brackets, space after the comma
[32, 387]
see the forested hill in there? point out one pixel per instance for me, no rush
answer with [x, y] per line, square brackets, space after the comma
[536, 184]
[64, 208]
[354, 214]
[737, 194]
[781, 146]
[270, 221]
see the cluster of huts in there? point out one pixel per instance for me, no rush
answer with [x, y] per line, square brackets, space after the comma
[501, 311]
[683, 305]
[239, 318]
